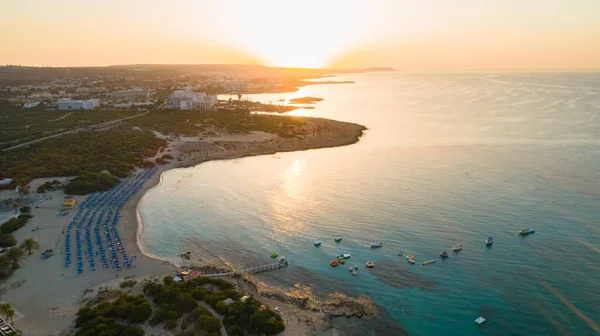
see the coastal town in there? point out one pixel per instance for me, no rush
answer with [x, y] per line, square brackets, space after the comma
[72, 216]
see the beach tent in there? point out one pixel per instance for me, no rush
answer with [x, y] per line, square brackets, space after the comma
[176, 278]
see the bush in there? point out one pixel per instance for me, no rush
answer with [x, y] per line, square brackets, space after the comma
[25, 209]
[167, 157]
[235, 331]
[14, 224]
[170, 324]
[200, 293]
[88, 183]
[49, 186]
[187, 303]
[209, 323]
[7, 240]
[221, 307]
[128, 283]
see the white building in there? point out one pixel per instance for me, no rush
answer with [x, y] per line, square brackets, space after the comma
[189, 100]
[70, 104]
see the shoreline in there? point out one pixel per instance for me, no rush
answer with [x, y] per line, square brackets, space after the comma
[155, 182]
[49, 294]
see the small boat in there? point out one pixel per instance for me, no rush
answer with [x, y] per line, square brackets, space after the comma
[428, 262]
[376, 244]
[411, 261]
[370, 264]
[444, 254]
[344, 256]
[338, 239]
[341, 261]
[480, 320]
[410, 256]
[334, 263]
[354, 273]
[350, 269]
[489, 241]
[400, 254]
[281, 260]
[355, 267]
[318, 243]
[526, 231]
[274, 255]
[457, 247]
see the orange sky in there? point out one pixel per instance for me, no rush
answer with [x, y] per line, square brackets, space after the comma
[404, 34]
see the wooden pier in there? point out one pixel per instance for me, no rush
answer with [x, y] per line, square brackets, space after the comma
[251, 270]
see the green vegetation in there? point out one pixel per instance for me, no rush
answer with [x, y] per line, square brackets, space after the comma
[189, 123]
[21, 125]
[49, 186]
[176, 299]
[100, 317]
[29, 244]
[7, 311]
[14, 224]
[128, 283]
[7, 240]
[87, 183]
[120, 149]
[10, 260]
[117, 150]
[25, 209]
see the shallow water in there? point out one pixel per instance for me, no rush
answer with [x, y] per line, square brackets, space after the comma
[448, 158]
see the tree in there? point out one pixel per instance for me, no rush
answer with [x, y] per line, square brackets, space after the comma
[15, 255]
[29, 244]
[5, 266]
[7, 310]
[7, 240]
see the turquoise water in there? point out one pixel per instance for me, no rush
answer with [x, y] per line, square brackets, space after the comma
[448, 158]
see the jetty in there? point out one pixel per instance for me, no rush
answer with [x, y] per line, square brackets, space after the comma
[251, 270]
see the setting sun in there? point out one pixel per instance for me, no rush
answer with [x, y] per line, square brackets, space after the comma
[307, 34]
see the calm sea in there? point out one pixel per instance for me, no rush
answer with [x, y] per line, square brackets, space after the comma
[448, 158]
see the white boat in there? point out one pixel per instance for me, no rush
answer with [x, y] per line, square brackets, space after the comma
[489, 241]
[318, 243]
[457, 247]
[411, 261]
[526, 231]
[376, 244]
[480, 320]
[344, 256]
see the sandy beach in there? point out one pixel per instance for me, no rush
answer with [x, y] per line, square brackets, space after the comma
[47, 295]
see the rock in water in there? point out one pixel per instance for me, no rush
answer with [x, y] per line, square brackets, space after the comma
[338, 304]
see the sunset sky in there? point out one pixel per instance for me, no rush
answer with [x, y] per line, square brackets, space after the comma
[404, 34]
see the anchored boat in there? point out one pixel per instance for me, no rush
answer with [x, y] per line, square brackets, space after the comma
[428, 262]
[376, 244]
[444, 254]
[338, 239]
[370, 264]
[489, 241]
[318, 243]
[457, 247]
[344, 256]
[526, 231]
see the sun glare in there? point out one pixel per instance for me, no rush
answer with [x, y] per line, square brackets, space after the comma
[296, 33]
